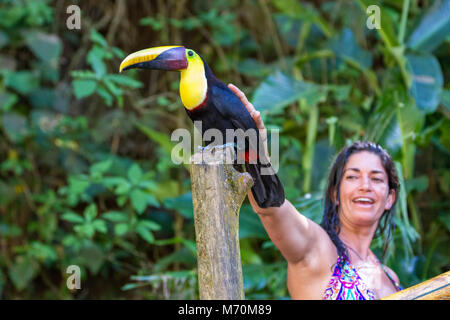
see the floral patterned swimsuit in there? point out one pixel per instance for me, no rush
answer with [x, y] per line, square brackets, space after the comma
[346, 284]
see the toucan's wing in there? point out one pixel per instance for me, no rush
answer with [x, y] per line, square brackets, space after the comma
[231, 107]
[267, 188]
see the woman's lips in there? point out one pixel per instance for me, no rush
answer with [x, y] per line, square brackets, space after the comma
[363, 201]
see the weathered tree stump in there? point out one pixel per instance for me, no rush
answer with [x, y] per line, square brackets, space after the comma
[218, 191]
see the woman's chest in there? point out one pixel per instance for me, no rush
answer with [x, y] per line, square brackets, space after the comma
[375, 279]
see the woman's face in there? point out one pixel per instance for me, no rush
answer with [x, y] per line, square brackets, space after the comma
[364, 190]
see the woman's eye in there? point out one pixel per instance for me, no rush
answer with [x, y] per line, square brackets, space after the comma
[351, 177]
[377, 179]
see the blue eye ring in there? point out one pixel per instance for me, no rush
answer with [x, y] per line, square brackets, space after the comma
[190, 53]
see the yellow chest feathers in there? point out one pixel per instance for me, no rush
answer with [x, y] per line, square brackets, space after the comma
[193, 83]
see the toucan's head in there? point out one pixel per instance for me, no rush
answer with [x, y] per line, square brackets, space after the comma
[193, 84]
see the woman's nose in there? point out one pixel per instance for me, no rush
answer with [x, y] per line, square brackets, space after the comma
[365, 183]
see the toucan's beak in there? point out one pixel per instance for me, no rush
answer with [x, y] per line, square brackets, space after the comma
[170, 58]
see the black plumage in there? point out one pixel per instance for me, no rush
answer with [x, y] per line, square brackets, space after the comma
[224, 110]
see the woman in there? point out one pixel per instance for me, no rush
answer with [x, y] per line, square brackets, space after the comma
[334, 260]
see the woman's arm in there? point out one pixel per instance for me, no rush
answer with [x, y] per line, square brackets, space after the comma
[292, 233]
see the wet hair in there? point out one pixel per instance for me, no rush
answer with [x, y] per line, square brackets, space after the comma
[330, 220]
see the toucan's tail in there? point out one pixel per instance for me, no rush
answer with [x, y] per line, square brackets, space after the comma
[267, 188]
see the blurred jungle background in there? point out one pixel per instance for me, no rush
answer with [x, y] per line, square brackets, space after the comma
[86, 176]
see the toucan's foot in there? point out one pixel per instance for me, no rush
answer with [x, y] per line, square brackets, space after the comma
[225, 146]
[201, 149]
[224, 152]
[213, 148]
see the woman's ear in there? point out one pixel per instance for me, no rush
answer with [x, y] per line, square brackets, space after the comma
[336, 201]
[390, 200]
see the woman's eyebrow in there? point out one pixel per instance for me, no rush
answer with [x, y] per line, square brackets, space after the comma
[358, 170]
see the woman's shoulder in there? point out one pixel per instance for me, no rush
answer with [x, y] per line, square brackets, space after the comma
[392, 274]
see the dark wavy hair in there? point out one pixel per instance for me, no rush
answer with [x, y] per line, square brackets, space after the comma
[330, 220]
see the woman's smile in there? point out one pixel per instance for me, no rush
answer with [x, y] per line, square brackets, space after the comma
[364, 202]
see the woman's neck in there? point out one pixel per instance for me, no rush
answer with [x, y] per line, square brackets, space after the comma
[357, 241]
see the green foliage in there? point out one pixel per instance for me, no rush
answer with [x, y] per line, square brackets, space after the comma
[433, 28]
[86, 175]
[108, 86]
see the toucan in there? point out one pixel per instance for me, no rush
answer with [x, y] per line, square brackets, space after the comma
[209, 100]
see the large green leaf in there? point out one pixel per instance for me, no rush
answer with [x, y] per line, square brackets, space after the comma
[139, 200]
[254, 68]
[115, 216]
[15, 126]
[162, 139]
[166, 144]
[249, 224]
[183, 255]
[90, 212]
[92, 256]
[84, 88]
[95, 59]
[299, 33]
[135, 173]
[101, 167]
[305, 13]
[7, 101]
[280, 90]
[427, 81]
[345, 47]
[123, 80]
[23, 82]
[41, 251]
[23, 271]
[408, 233]
[311, 206]
[411, 121]
[189, 244]
[433, 28]
[383, 127]
[43, 97]
[72, 217]
[182, 204]
[46, 47]
[145, 234]
[98, 38]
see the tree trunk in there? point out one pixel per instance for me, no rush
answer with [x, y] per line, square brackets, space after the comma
[218, 191]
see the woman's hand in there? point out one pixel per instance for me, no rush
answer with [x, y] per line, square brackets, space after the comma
[297, 237]
[256, 115]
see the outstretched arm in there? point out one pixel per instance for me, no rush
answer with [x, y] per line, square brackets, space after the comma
[293, 234]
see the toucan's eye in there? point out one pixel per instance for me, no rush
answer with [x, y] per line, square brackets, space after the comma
[190, 53]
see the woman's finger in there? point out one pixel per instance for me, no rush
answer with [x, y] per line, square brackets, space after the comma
[243, 98]
[256, 116]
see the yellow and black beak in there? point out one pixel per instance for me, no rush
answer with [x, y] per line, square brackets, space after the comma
[170, 58]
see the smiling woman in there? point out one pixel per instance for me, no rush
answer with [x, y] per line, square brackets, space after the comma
[360, 198]
[333, 260]
[365, 165]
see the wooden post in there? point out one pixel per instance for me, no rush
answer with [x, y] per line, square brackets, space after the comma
[218, 191]
[437, 288]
